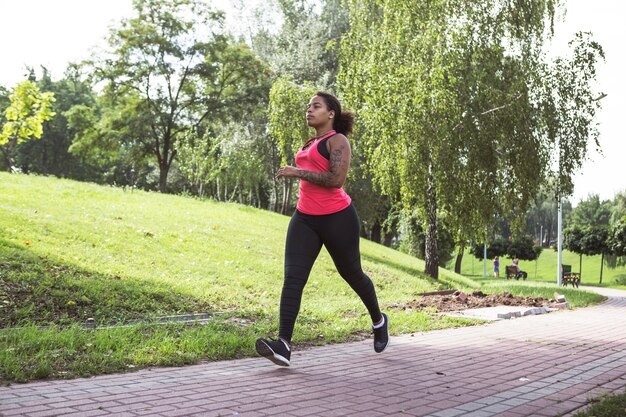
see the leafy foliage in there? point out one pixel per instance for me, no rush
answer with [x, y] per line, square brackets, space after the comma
[286, 123]
[523, 248]
[50, 155]
[306, 48]
[542, 216]
[29, 108]
[172, 57]
[460, 115]
[498, 247]
[413, 239]
[617, 238]
[587, 240]
[591, 212]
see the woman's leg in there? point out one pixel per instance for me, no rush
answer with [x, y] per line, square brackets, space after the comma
[301, 249]
[340, 235]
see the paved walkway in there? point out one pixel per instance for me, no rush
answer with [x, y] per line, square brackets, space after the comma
[543, 365]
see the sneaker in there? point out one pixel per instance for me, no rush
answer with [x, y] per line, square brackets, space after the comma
[274, 350]
[381, 335]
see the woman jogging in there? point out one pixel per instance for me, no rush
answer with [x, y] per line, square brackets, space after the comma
[325, 216]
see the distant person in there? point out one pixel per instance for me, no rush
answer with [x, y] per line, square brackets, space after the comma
[496, 267]
[520, 273]
[325, 216]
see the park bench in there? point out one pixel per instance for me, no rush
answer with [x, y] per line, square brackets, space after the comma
[569, 277]
[511, 272]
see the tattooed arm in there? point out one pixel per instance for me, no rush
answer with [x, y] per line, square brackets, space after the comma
[340, 155]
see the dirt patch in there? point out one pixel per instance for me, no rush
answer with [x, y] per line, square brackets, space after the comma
[456, 300]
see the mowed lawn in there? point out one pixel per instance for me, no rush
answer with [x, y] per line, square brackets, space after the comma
[72, 253]
[544, 269]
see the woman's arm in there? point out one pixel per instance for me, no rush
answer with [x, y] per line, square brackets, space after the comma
[340, 155]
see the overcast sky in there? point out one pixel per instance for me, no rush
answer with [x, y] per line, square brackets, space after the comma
[55, 32]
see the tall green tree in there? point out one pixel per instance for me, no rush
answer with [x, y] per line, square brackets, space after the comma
[50, 155]
[447, 92]
[174, 57]
[568, 104]
[306, 47]
[288, 127]
[29, 108]
[617, 239]
[588, 240]
[618, 207]
[591, 212]
[542, 216]
[109, 137]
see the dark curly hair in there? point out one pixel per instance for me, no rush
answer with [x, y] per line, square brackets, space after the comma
[344, 119]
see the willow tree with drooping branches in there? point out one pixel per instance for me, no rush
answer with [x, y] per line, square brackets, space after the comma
[452, 96]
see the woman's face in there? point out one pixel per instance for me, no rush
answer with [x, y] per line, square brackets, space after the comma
[317, 113]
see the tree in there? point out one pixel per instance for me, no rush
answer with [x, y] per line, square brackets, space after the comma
[287, 125]
[448, 95]
[25, 116]
[498, 247]
[568, 107]
[186, 73]
[413, 239]
[523, 248]
[588, 240]
[618, 207]
[307, 46]
[50, 155]
[109, 138]
[230, 166]
[542, 217]
[591, 212]
[617, 239]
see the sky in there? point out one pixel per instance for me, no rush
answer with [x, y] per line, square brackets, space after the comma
[62, 31]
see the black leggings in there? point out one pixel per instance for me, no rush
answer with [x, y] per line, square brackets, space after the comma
[339, 232]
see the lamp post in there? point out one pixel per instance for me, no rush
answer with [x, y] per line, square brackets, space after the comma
[559, 246]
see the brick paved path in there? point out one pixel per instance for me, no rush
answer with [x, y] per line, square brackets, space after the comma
[543, 365]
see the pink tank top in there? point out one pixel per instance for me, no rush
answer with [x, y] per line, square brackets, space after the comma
[316, 199]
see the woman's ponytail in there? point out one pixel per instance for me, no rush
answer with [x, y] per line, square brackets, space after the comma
[344, 123]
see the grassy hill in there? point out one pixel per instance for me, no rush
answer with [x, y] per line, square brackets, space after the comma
[74, 252]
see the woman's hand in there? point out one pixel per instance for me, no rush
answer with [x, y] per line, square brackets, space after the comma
[288, 172]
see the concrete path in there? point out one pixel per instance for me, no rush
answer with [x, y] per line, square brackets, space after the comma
[544, 365]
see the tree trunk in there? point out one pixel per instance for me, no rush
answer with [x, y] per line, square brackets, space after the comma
[164, 168]
[580, 266]
[286, 195]
[375, 234]
[275, 202]
[601, 266]
[432, 253]
[6, 152]
[459, 258]
[388, 239]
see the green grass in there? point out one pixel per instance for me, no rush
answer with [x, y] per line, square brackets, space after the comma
[544, 269]
[606, 406]
[73, 251]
